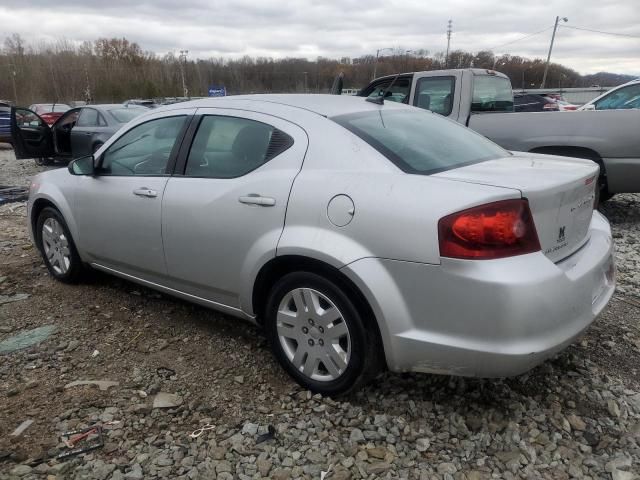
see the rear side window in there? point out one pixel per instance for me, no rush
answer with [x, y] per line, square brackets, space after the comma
[88, 118]
[229, 147]
[418, 141]
[491, 94]
[435, 94]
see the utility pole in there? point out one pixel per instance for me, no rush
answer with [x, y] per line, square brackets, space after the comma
[553, 36]
[375, 64]
[13, 79]
[446, 58]
[183, 63]
[87, 92]
[53, 78]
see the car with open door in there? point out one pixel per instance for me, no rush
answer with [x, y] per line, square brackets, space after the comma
[79, 131]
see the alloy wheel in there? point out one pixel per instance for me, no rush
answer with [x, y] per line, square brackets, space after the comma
[56, 246]
[313, 334]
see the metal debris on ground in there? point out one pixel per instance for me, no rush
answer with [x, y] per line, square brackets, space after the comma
[90, 438]
[196, 433]
[26, 339]
[13, 194]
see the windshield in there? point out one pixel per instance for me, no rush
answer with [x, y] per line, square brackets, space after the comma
[124, 115]
[491, 94]
[418, 141]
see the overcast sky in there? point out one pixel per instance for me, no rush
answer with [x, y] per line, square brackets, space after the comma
[333, 28]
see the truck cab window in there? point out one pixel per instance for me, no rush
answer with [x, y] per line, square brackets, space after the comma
[435, 94]
[399, 92]
[491, 94]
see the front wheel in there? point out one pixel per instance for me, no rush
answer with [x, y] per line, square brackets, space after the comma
[56, 246]
[318, 335]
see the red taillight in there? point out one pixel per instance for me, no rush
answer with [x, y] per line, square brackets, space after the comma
[495, 230]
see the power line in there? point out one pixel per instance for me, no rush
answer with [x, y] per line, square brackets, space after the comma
[600, 31]
[522, 38]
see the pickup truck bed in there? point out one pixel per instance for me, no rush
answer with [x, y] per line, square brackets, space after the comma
[483, 101]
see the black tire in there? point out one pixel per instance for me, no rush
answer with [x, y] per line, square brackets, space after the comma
[44, 161]
[76, 268]
[364, 359]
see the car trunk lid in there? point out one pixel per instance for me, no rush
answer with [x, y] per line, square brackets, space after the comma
[560, 191]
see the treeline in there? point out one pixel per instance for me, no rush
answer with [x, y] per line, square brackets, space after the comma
[114, 69]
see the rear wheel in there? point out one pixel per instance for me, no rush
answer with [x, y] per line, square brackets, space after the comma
[56, 246]
[318, 335]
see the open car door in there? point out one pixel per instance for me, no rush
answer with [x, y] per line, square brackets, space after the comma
[32, 137]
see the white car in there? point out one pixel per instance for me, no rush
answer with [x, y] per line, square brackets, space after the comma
[623, 97]
[359, 234]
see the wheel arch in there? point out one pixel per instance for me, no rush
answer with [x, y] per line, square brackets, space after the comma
[571, 151]
[279, 266]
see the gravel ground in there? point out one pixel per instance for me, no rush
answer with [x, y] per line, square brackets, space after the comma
[179, 367]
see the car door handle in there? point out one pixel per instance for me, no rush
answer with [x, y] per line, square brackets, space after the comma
[145, 192]
[255, 199]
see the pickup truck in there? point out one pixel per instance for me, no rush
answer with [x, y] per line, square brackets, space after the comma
[483, 101]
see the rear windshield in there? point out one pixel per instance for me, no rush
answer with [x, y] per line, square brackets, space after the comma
[491, 94]
[418, 141]
[124, 115]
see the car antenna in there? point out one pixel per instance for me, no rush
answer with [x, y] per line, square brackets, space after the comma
[380, 99]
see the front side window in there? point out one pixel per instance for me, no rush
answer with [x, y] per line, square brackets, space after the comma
[420, 142]
[88, 118]
[491, 94]
[143, 150]
[435, 94]
[27, 118]
[229, 147]
[624, 98]
[399, 91]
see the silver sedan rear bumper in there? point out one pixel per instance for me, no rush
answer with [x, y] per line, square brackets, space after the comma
[489, 318]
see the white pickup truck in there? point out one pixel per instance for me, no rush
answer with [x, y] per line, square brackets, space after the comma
[483, 101]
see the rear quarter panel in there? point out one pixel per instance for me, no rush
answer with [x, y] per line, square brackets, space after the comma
[395, 213]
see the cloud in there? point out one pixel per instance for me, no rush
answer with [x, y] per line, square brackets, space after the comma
[332, 28]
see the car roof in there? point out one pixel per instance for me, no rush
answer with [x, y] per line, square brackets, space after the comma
[109, 106]
[321, 104]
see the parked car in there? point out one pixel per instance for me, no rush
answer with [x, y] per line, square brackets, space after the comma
[357, 234]
[5, 123]
[530, 102]
[483, 101]
[624, 97]
[78, 132]
[49, 112]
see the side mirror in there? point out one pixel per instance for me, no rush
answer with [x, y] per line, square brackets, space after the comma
[82, 166]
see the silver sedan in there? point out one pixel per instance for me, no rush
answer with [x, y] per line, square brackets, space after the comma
[359, 235]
